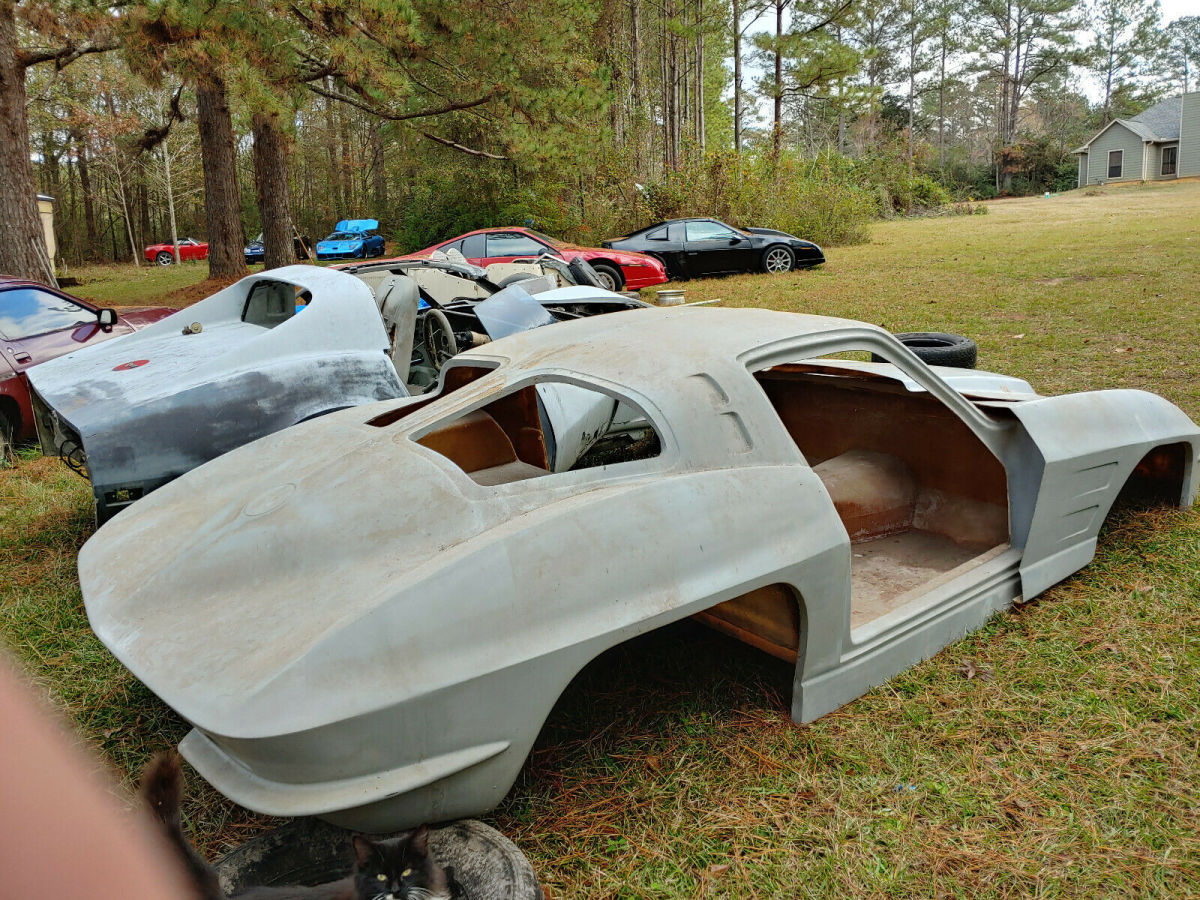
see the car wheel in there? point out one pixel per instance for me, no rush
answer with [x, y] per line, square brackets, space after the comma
[777, 260]
[610, 276]
[487, 865]
[937, 348]
[164, 258]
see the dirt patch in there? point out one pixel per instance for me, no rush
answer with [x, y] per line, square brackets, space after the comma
[1073, 279]
[188, 295]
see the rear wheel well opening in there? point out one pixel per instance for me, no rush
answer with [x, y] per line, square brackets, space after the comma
[1158, 479]
[686, 670]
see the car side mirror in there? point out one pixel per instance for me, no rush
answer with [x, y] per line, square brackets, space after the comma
[733, 241]
[106, 319]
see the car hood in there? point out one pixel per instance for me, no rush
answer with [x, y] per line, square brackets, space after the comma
[138, 317]
[306, 556]
[621, 257]
[340, 244]
[161, 360]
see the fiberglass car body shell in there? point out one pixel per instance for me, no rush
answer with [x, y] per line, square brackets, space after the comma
[142, 413]
[360, 627]
[147, 407]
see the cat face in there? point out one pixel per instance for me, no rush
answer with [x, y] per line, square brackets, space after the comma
[398, 869]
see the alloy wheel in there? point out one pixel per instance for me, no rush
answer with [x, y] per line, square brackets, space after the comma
[779, 260]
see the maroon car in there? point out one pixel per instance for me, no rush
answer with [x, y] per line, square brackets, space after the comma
[618, 269]
[38, 323]
[189, 248]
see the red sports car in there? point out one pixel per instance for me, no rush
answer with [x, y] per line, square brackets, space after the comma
[38, 323]
[189, 248]
[618, 269]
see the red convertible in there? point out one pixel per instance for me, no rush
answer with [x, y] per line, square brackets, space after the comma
[189, 248]
[618, 269]
[38, 323]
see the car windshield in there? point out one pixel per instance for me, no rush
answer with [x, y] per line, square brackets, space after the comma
[553, 242]
[345, 236]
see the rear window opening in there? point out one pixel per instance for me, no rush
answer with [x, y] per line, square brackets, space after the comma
[272, 303]
[544, 429]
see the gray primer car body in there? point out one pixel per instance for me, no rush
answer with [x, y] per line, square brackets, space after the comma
[362, 626]
[139, 411]
[150, 406]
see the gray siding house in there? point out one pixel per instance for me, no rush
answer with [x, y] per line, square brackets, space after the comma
[1162, 142]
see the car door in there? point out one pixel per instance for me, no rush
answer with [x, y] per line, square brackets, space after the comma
[37, 324]
[712, 247]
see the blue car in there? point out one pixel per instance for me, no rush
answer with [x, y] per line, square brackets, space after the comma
[352, 239]
[254, 251]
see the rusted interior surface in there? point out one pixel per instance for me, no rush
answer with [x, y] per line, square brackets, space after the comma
[1158, 479]
[455, 378]
[922, 499]
[767, 618]
[499, 443]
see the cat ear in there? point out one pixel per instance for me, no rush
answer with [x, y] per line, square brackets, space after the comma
[363, 849]
[419, 840]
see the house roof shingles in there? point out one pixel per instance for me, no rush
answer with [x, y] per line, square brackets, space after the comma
[1158, 123]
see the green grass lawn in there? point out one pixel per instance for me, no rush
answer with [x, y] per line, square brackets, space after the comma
[1069, 765]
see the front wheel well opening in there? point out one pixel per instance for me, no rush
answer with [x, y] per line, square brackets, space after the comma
[1158, 479]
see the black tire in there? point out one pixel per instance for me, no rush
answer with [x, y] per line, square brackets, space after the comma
[937, 348]
[778, 259]
[164, 258]
[610, 276]
[306, 851]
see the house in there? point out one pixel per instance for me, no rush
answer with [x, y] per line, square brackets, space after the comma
[1160, 143]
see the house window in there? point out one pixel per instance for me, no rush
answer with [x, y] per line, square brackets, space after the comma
[1168, 160]
[1114, 163]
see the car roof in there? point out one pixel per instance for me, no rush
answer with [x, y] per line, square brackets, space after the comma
[653, 352]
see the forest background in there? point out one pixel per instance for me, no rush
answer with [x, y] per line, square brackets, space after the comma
[149, 120]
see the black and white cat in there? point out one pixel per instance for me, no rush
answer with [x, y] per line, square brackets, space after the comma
[395, 869]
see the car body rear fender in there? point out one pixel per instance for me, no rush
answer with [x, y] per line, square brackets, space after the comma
[1082, 449]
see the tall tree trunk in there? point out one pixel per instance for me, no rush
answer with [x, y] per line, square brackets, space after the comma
[166, 155]
[92, 251]
[271, 182]
[777, 123]
[22, 241]
[737, 77]
[223, 206]
[378, 171]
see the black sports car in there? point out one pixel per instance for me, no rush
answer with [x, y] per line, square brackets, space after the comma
[692, 247]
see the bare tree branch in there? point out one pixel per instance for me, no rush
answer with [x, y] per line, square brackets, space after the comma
[459, 147]
[394, 116]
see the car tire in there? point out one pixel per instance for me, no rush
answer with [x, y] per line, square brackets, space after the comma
[778, 259]
[610, 276]
[164, 258]
[487, 865]
[937, 348]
